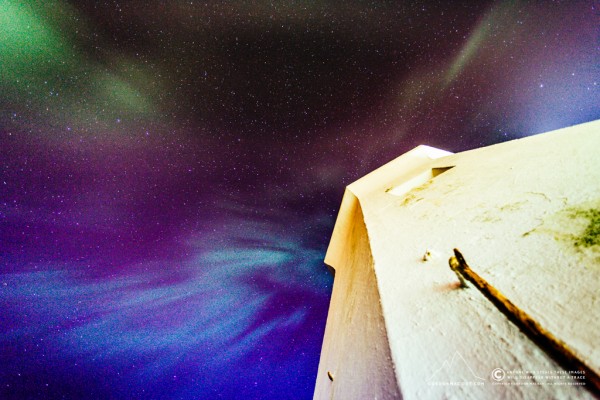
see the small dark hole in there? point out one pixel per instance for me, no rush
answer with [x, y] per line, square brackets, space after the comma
[330, 375]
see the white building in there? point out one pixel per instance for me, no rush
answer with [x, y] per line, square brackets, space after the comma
[526, 216]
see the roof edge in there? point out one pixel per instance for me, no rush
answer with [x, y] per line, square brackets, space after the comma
[397, 170]
[393, 172]
[343, 224]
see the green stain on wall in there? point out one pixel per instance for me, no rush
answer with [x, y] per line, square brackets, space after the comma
[590, 236]
[576, 229]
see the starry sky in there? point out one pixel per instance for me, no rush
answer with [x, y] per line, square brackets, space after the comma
[170, 171]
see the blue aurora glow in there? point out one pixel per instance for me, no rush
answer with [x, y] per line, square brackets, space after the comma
[211, 327]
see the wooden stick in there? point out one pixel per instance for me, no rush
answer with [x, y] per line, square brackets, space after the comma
[555, 348]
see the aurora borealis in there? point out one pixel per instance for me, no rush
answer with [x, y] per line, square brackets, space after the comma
[170, 172]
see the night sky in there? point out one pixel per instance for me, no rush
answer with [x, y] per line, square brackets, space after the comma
[170, 171]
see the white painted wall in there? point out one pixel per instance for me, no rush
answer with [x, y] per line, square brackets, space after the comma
[355, 362]
[512, 211]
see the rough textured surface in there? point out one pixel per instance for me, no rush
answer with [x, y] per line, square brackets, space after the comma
[523, 215]
[356, 361]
